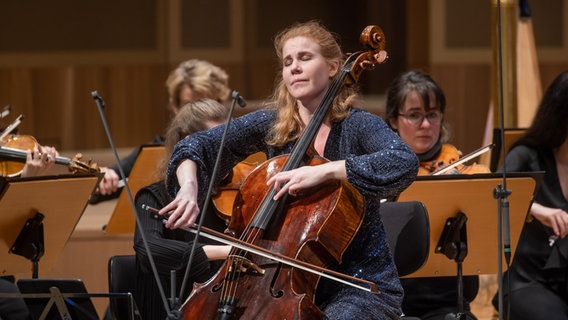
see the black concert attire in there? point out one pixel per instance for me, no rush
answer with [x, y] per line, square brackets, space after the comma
[537, 277]
[170, 250]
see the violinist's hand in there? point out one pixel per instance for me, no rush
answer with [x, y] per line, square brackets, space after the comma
[38, 162]
[555, 218]
[109, 182]
[183, 210]
[294, 181]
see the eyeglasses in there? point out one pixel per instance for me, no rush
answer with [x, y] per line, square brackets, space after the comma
[416, 118]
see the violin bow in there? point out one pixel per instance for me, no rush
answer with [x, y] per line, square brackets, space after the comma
[5, 111]
[464, 159]
[11, 126]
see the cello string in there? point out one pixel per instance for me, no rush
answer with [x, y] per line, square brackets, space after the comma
[264, 214]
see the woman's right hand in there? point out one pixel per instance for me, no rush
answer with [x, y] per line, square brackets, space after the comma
[183, 210]
[109, 182]
[555, 218]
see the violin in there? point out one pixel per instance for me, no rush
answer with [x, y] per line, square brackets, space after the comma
[13, 156]
[448, 156]
[315, 227]
[224, 198]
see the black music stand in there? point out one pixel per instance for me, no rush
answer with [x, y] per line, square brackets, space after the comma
[63, 299]
[54, 299]
[31, 207]
[464, 223]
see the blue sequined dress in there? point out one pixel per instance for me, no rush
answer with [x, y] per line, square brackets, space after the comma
[379, 165]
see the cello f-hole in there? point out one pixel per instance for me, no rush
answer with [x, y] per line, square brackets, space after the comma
[273, 292]
[217, 287]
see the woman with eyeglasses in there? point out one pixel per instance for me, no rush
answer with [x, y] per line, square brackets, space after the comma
[415, 110]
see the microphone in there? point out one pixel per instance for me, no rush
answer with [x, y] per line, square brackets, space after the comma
[100, 102]
[502, 194]
[240, 100]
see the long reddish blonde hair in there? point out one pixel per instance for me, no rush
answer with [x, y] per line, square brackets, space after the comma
[289, 126]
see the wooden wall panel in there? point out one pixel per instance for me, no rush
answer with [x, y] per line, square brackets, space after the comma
[68, 25]
[52, 87]
[59, 110]
[467, 101]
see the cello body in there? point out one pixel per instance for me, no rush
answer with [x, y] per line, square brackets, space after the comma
[317, 234]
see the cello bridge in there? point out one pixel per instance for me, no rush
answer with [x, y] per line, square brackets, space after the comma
[245, 265]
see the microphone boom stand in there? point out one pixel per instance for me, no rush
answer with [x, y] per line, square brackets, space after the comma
[100, 105]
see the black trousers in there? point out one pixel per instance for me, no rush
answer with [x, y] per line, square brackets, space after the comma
[533, 303]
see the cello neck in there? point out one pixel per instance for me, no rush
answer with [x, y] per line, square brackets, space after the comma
[270, 207]
[307, 138]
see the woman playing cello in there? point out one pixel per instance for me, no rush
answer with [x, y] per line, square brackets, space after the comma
[415, 110]
[360, 147]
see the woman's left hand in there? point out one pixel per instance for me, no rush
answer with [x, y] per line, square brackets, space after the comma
[38, 162]
[296, 180]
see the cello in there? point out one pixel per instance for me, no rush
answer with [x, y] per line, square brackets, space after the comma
[315, 227]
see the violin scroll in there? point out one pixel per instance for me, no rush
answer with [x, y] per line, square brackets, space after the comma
[76, 165]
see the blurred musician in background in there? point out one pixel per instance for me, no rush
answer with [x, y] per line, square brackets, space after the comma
[538, 277]
[415, 110]
[192, 80]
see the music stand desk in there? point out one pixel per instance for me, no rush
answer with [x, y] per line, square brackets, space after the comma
[61, 199]
[445, 196]
[144, 172]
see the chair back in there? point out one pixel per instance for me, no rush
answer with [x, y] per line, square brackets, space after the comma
[408, 231]
[122, 279]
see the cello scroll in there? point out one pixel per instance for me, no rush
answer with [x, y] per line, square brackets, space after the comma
[373, 38]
